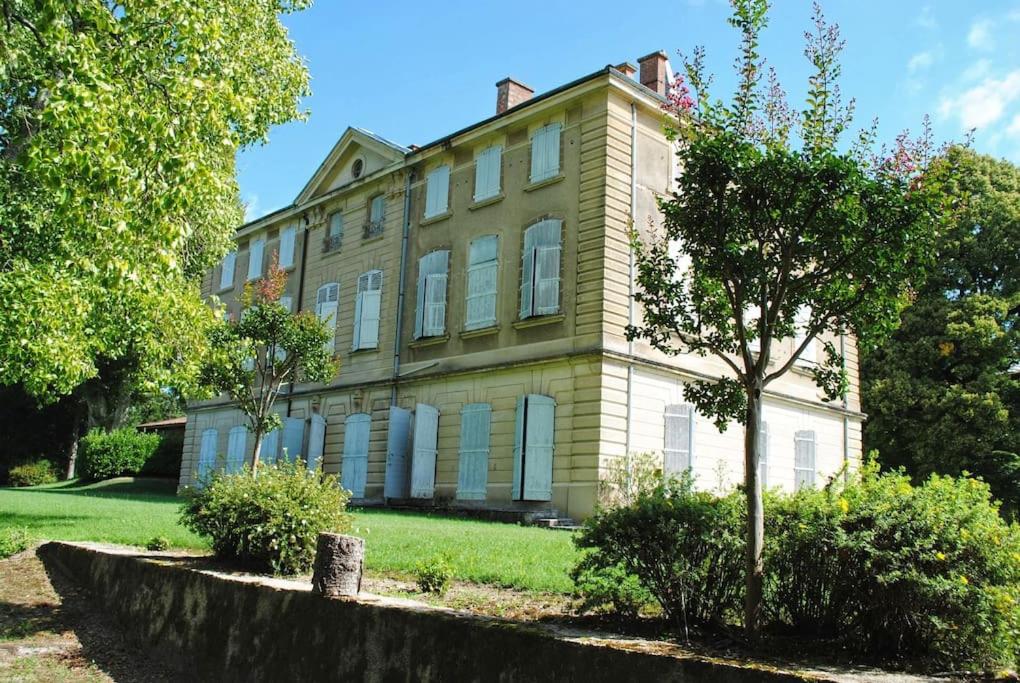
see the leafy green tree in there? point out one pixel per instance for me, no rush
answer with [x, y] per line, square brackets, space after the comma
[775, 227]
[252, 358]
[943, 393]
[119, 125]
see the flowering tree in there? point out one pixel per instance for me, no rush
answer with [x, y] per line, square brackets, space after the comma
[776, 231]
[252, 358]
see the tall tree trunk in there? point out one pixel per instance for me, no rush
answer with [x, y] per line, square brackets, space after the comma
[754, 568]
[256, 453]
[78, 417]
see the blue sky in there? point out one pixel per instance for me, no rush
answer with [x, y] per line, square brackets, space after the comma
[415, 71]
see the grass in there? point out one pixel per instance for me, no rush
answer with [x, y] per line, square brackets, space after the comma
[132, 511]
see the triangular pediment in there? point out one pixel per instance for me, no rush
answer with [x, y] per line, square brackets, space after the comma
[357, 154]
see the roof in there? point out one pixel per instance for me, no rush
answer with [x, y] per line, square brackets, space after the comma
[170, 422]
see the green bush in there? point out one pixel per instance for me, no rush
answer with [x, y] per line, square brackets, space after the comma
[166, 461]
[269, 522]
[13, 540]
[926, 574]
[114, 454]
[158, 543]
[685, 547]
[33, 474]
[609, 588]
[433, 575]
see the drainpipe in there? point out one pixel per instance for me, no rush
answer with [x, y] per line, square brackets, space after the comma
[630, 286]
[401, 285]
[300, 292]
[846, 418]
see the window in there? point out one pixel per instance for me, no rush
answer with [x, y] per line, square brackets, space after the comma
[376, 216]
[678, 441]
[804, 459]
[236, 445]
[334, 232]
[488, 165]
[287, 239]
[437, 191]
[288, 303]
[354, 467]
[483, 269]
[430, 317]
[803, 322]
[545, 152]
[473, 473]
[270, 449]
[366, 310]
[533, 448]
[357, 168]
[206, 456]
[256, 250]
[227, 270]
[763, 454]
[540, 269]
[326, 304]
[293, 439]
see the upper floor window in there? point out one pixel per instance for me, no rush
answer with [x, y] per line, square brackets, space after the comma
[256, 251]
[804, 459]
[366, 310]
[430, 316]
[287, 238]
[227, 270]
[376, 216]
[540, 269]
[437, 191]
[803, 322]
[483, 269]
[488, 166]
[327, 300]
[678, 440]
[545, 152]
[334, 232]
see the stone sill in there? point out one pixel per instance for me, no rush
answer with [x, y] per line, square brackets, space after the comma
[429, 341]
[488, 201]
[479, 332]
[364, 350]
[539, 320]
[538, 184]
[435, 219]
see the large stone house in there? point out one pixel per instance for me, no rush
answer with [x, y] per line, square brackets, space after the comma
[479, 286]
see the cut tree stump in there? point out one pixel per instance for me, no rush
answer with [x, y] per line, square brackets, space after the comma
[339, 561]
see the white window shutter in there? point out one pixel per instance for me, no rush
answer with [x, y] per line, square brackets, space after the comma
[520, 418]
[545, 152]
[206, 457]
[256, 251]
[803, 321]
[430, 315]
[354, 467]
[473, 471]
[679, 438]
[270, 450]
[437, 191]
[483, 271]
[547, 280]
[327, 301]
[236, 446]
[316, 442]
[227, 270]
[804, 459]
[367, 310]
[537, 458]
[540, 269]
[293, 438]
[426, 441]
[488, 169]
[763, 454]
[287, 239]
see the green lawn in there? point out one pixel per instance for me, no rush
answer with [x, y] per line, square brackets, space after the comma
[131, 511]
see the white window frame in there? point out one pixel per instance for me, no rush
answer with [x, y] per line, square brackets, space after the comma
[288, 239]
[367, 310]
[488, 172]
[376, 215]
[482, 269]
[545, 152]
[327, 307]
[678, 456]
[256, 255]
[430, 312]
[334, 231]
[437, 191]
[805, 459]
[227, 270]
[809, 356]
[542, 244]
[763, 454]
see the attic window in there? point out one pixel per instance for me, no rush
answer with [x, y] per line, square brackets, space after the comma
[357, 167]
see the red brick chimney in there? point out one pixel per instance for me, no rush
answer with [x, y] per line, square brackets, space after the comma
[653, 71]
[627, 69]
[510, 93]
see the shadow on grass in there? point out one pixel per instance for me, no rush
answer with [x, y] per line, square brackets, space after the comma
[24, 621]
[35, 519]
[143, 489]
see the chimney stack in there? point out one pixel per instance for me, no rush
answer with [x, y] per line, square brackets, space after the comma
[653, 71]
[627, 69]
[510, 93]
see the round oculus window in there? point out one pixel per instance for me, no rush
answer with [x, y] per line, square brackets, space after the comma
[357, 167]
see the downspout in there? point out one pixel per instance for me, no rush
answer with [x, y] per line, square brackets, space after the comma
[401, 284]
[630, 288]
[300, 292]
[846, 418]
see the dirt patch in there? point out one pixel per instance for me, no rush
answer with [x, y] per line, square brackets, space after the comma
[48, 636]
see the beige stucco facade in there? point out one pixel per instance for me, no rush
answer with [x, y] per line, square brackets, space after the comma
[610, 395]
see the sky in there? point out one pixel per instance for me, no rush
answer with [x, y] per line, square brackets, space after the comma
[413, 72]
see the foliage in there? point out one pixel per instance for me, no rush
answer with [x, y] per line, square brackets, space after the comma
[13, 540]
[609, 588]
[433, 574]
[627, 477]
[166, 461]
[684, 546]
[158, 543]
[163, 404]
[252, 358]
[33, 473]
[118, 134]
[114, 454]
[943, 393]
[926, 574]
[270, 522]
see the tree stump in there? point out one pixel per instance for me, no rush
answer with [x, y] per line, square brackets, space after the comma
[339, 561]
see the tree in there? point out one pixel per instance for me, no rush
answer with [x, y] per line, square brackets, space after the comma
[251, 359]
[119, 124]
[775, 232]
[943, 393]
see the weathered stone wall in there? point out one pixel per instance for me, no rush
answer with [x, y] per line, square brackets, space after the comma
[216, 627]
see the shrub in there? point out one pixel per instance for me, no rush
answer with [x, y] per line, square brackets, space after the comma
[114, 454]
[13, 540]
[166, 460]
[609, 588]
[433, 575]
[33, 474]
[926, 574]
[269, 522]
[685, 547]
[158, 543]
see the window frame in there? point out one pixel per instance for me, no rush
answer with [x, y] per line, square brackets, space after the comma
[437, 191]
[530, 279]
[473, 268]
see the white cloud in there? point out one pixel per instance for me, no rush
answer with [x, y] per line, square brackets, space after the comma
[980, 35]
[977, 71]
[983, 104]
[922, 60]
[926, 19]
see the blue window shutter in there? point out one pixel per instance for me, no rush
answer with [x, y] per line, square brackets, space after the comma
[316, 441]
[398, 445]
[521, 416]
[270, 447]
[473, 471]
[206, 457]
[354, 468]
[236, 447]
[538, 447]
[426, 442]
[293, 438]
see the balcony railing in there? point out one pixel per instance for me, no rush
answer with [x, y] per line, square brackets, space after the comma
[373, 229]
[331, 243]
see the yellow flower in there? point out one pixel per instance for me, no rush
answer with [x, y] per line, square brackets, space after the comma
[940, 556]
[964, 581]
[844, 505]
